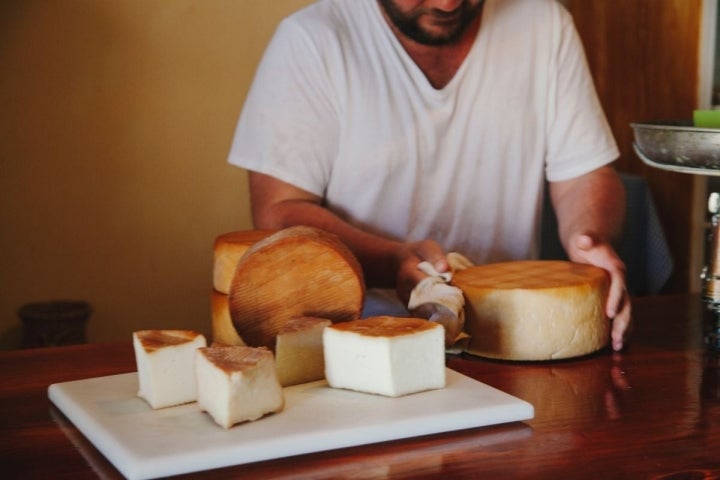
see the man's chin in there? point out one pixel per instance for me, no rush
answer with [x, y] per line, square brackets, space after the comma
[437, 36]
[429, 27]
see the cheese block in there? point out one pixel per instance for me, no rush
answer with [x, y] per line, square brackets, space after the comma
[165, 362]
[534, 310]
[223, 330]
[299, 351]
[297, 272]
[228, 249]
[385, 355]
[237, 384]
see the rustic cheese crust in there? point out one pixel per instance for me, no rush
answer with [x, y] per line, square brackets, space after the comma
[228, 249]
[385, 355]
[299, 271]
[237, 384]
[386, 326]
[165, 360]
[223, 330]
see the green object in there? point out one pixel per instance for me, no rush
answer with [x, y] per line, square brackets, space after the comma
[706, 118]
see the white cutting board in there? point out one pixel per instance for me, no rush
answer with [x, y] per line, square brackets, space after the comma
[145, 443]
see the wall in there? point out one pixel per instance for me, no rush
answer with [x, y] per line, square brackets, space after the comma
[115, 122]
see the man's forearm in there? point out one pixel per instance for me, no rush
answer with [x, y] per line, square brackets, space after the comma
[377, 255]
[386, 263]
[593, 204]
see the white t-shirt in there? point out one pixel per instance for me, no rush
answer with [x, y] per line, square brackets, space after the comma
[339, 109]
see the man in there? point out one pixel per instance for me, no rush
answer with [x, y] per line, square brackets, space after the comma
[411, 128]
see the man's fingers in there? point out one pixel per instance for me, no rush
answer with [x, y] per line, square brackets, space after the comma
[584, 242]
[621, 325]
[616, 295]
[431, 252]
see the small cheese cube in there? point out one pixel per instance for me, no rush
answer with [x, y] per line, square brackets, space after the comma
[237, 384]
[299, 351]
[165, 362]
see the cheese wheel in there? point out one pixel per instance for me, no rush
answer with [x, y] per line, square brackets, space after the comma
[228, 249]
[223, 330]
[297, 272]
[534, 310]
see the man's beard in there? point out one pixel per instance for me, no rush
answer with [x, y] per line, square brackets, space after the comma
[409, 25]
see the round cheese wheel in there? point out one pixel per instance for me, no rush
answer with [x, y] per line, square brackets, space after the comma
[227, 252]
[223, 330]
[297, 272]
[534, 310]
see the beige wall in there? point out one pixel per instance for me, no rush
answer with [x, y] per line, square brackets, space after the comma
[115, 122]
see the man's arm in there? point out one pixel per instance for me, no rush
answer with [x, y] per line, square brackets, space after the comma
[591, 211]
[386, 263]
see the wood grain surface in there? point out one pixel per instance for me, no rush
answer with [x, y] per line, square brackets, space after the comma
[299, 271]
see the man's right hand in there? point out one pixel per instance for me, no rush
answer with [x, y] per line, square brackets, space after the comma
[408, 256]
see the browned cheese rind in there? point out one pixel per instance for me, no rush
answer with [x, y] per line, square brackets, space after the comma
[296, 272]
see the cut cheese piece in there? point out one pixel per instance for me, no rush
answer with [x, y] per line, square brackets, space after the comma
[237, 384]
[384, 355]
[228, 249]
[223, 330]
[166, 365]
[297, 272]
[534, 310]
[299, 351]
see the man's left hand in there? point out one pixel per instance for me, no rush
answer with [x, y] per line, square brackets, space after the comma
[587, 249]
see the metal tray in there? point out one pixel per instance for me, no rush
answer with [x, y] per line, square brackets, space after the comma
[677, 145]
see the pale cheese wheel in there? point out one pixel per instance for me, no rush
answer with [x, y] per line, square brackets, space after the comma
[228, 249]
[534, 310]
[297, 272]
[223, 330]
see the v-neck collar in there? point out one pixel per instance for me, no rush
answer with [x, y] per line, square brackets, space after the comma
[416, 73]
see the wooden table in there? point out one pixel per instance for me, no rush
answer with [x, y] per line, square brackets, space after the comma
[651, 412]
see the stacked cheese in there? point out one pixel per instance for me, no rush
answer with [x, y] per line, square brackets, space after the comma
[535, 310]
[228, 249]
[297, 272]
[278, 289]
[263, 278]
